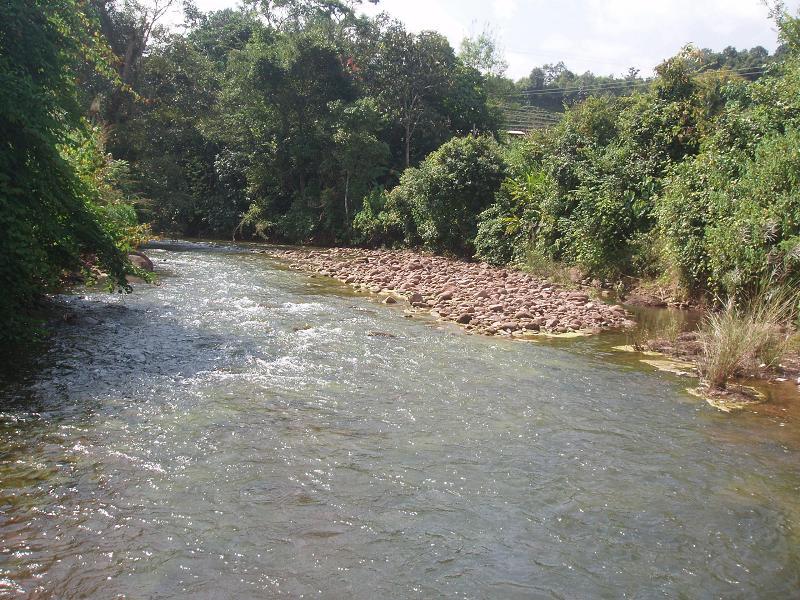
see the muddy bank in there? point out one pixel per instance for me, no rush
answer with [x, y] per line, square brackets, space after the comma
[481, 298]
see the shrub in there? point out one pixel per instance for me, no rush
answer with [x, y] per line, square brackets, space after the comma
[731, 217]
[507, 228]
[374, 225]
[448, 190]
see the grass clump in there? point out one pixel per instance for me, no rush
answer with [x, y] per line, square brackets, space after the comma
[744, 337]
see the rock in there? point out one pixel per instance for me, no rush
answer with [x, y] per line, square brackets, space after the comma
[140, 260]
[480, 297]
[382, 334]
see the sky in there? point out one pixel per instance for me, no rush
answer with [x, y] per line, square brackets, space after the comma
[603, 36]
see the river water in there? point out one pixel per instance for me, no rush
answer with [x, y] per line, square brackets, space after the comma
[245, 431]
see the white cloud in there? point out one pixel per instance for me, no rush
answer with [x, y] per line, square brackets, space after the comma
[504, 9]
[424, 16]
[604, 36]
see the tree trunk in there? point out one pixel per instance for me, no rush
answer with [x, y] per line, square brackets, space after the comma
[346, 190]
[408, 144]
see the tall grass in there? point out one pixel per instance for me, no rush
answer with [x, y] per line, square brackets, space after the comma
[742, 337]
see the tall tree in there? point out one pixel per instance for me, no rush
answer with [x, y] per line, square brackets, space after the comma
[410, 72]
[128, 27]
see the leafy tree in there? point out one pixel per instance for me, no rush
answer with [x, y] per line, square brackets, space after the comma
[410, 73]
[482, 53]
[47, 212]
[128, 26]
[359, 154]
[448, 191]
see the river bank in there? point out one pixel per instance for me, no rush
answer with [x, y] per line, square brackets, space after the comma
[501, 301]
[481, 298]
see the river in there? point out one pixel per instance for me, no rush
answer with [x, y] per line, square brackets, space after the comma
[245, 431]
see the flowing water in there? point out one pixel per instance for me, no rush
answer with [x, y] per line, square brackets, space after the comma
[245, 431]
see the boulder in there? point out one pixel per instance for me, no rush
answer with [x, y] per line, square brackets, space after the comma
[138, 259]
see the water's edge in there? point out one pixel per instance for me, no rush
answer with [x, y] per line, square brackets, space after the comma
[245, 431]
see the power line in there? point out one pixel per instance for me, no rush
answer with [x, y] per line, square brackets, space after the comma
[561, 57]
[621, 84]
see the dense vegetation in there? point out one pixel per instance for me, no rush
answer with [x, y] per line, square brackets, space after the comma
[299, 121]
[308, 124]
[694, 180]
[277, 120]
[58, 197]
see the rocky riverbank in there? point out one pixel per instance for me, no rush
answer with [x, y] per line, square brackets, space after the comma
[482, 298]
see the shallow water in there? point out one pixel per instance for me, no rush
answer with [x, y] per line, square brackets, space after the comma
[243, 431]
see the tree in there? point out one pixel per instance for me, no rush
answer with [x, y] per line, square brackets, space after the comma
[482, 52]
[448, 191]
[128, 27]
[409, 72]
[359, 153]
[47, 214]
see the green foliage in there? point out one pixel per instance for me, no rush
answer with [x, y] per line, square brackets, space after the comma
[277, 119]
[732, 218]
[506, 230]
[449, 189]
[108, 181]
[697, 176]
[378, 222]
[47, 210]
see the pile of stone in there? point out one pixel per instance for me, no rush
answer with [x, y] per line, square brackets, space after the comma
[482, 298]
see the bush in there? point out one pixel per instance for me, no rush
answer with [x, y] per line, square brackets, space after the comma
[731, 217]
[47, 216]
[374, 225]
[506, 230]
[447, 192]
